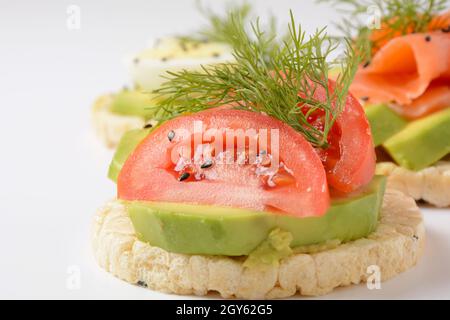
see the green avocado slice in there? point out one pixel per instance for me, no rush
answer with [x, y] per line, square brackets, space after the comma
[132, 103]
[127, 144]
[422, 142]
[200, 229]
[384, 122]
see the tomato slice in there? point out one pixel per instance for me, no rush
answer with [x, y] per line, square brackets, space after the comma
[350, 159]
[177, 163]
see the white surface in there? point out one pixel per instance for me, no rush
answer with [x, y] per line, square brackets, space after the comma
[53, 169]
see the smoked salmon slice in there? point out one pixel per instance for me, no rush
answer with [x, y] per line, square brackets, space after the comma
[440, 22]
[379, 37]
[403, 69]
[434, 99]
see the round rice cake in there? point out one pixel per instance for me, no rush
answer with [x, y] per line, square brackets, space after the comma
[395, 246]
[431, 184]
[110, 126]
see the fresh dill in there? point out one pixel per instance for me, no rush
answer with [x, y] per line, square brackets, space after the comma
[268, 75]
[396, 17]
[219, 27]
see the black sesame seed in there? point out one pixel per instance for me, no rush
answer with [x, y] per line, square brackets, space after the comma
[206, 164]
[415, 237]
[148, 125]
[216, 55]
[142, 284]
[428, 38]
[171, 135]
[184, 176]
[365, 98]
[446, 29]
[366, 64]
[164, 59]
[136, 60]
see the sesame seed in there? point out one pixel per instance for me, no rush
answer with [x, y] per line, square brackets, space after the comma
[171, 135]
[184, 176]
[428, 38]
[207, 164]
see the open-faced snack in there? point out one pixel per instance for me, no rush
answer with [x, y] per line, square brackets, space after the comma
[259, 181]
[404, 84]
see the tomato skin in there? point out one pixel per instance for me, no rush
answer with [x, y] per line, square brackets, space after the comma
[356, 166]
[147, 176]
[350, 159]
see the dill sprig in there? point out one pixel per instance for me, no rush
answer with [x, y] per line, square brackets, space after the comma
[269, 76]
[397, 17]
[219, 27]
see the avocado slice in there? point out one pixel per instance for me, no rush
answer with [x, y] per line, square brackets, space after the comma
[201, 229]
[384, 122]
[127, 144]
[132, 103]
[422, 142]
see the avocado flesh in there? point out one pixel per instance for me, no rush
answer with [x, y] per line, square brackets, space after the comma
[200, 229]
[132, 103]
[422, 142]
[384, 122]
[127, 144]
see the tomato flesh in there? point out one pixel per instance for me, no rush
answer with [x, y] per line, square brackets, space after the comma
[349, 160]
[178, 170]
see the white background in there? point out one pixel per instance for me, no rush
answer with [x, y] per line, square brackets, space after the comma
[53, 170]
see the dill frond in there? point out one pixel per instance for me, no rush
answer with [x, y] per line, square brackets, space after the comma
[269, 76]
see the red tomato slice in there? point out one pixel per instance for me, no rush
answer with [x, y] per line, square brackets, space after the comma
[350, 158]
[169, 166]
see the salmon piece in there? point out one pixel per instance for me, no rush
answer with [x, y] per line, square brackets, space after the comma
[434, 99]
[403, 69]
[380, 37]
[440, 22]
